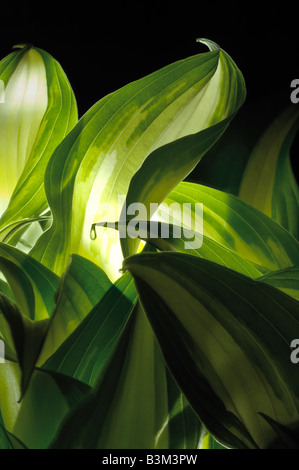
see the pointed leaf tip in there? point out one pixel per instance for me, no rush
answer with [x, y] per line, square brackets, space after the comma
[211, 44]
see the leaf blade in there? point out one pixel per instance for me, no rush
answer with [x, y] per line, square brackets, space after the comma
[137, 402]
[120, 130]
[45, 112]
[268, 182]
[262, 324]
[235, 225]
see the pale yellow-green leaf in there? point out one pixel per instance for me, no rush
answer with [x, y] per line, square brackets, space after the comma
[21, 113]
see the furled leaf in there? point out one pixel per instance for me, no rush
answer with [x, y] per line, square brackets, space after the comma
[89, 174]
[136, 405]
[226, 340]
[268, 182]
[234, 224]
[39, 109]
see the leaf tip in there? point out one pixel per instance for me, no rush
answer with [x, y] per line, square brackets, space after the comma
[211, 44]
[93, 233]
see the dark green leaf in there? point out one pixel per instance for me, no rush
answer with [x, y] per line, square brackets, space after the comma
[286, 280]
[268, 182]
[226, 339]
[47, 401]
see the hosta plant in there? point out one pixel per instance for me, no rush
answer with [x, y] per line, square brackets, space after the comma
[115, 335]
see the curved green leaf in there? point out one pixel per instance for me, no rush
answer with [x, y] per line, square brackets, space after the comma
[27, 337]
[168, 237]
[5, 289]
[86, 352]
[39, 109]
[94, 165]
[13, 232]
[168, 165]
[21, 287]
[82, 286]
[234, 224]
[26, 274]
[268, 182]
[226, 340]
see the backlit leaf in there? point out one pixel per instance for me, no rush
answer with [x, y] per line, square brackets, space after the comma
[90, 172]
[39, 109]
[234, 224]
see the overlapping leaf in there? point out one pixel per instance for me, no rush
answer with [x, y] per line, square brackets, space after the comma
[48, 400]
[170, 164]
[235, 225]
[86, 352]
[93, 166]
[168, 237]
[226, 339]
[82, 287]
[27, 337]
[212, 336]
[136, 405]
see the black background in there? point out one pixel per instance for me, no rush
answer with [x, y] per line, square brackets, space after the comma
[103, 46]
